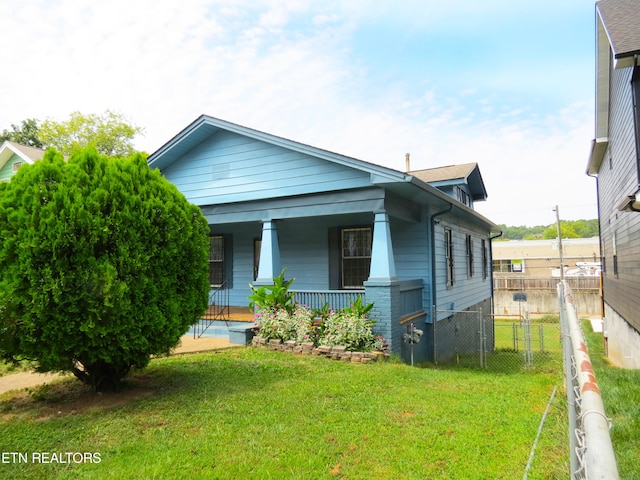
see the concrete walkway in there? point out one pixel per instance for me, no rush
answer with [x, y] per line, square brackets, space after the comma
[188, 344]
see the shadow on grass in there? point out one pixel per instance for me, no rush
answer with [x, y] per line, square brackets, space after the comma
[163, 380]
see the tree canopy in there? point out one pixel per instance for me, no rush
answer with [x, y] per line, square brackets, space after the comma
[568, 228]
[103, 263]
[109, 133]
[27, 133]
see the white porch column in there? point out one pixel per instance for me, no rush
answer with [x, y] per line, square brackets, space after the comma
[269, 254]
[382, 262]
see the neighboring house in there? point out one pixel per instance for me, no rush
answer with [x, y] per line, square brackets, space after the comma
[13, 156]
[615, 162]
[340, 226]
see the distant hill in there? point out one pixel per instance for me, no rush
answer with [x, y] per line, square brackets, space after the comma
[569, 228]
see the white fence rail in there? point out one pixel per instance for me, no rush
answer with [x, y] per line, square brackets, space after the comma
[591, 452]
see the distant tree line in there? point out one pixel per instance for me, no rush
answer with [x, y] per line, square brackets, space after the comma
[568, 228]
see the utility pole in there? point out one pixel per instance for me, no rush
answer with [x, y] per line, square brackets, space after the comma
[559, 243]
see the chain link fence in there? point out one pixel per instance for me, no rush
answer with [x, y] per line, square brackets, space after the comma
[504, 344]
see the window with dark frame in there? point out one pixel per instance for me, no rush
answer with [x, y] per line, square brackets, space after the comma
[469, 242]
[356, 256]
[635, 90]
[216, 260]
[615, 256]
[448, 253]
[485, 260]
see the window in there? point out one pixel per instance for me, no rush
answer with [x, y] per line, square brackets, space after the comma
[462, 196]
[485, 260]
[16, 166]
[469, 242]
[216, 260]
[615, 256]
[448, 254]
[508, 266]
[635, 90]
[356, 256]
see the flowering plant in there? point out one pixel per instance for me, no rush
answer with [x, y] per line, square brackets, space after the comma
[353, 331]
[279, 318]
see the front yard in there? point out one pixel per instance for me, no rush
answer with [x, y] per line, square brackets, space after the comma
[251, 413]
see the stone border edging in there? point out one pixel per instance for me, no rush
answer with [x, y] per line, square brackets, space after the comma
[338, 352]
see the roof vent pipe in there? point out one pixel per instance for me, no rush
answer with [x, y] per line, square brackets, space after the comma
[407, 162]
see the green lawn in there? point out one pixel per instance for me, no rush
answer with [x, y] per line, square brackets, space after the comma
[621, 396]
[247, 413]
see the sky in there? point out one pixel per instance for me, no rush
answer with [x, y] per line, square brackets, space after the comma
[507, 84]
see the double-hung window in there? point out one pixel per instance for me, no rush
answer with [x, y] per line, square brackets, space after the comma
[216, 260]
[485, 262]
[356, 256]
[469, 242]
[448, 254]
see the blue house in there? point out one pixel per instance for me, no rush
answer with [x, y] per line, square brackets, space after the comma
[411, 243]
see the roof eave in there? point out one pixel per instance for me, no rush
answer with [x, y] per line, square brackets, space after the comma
[596, 156]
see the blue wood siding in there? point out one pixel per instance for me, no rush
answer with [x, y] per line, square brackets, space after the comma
[228, 167]
[411, 250]
[304, 251]
[466, 291]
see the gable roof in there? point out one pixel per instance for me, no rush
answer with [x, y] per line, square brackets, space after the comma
[467, 173]
[405, 184]
[27, 154]
[205, 126]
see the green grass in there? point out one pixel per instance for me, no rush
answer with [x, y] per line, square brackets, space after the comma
[247, 413]
[621, 397]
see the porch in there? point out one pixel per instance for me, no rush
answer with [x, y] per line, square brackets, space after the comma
[395, 303]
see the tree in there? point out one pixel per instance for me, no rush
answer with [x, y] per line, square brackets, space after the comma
[26, 134]
[103, 263]
[566, 229]
[109, 133]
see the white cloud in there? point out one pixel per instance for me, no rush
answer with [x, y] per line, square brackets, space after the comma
[290, 68]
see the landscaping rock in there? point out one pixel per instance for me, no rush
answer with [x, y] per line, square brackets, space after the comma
[338, 352]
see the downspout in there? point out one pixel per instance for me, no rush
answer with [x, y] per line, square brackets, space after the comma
[493, 304]
[433, 274]
[601, 256]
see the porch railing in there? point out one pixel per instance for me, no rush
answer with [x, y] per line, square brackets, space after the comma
[410, 297]
[218, 310]
[336, 299]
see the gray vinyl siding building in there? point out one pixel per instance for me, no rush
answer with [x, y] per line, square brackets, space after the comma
[614, 161]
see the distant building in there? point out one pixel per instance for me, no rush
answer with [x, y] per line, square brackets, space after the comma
[615, 162]
[541, 258]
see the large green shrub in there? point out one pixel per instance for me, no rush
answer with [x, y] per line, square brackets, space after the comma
[103, 263]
